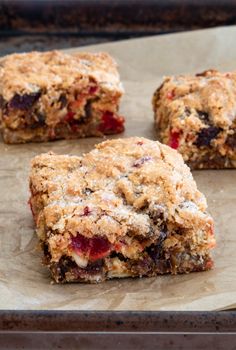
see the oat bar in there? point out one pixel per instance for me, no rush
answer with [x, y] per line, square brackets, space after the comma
[197, 116]
[128, 208]
[54, 95]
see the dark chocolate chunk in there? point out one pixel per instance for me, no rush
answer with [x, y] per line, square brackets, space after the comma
[120, 256]
[231, 141]
[41, 118]
[206, 135]
[88, 109]
[24, 102]
[155, 250]
[35, 120]
[88, 191]
[94, 267]
[63, 100]
[204, 116]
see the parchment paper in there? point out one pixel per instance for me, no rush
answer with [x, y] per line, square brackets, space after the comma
[25, 284]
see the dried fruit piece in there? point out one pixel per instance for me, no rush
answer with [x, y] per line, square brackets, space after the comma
[94, 248]
[63, 100]
[170, 95]
[87, 211]
[69, 117]
[155, 251]
[174, 139]
[24, 102]
[93, 90]
[139, 162]
[206, 135]
[111, 123]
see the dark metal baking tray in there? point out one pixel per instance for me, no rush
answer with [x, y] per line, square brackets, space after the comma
[117, 330]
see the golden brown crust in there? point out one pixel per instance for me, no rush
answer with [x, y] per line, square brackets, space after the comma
[126, 191]
[30, 72]
[196, 115]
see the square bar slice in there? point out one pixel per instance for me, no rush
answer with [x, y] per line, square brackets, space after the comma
[53, 95]
[128, 208]
[197, 116]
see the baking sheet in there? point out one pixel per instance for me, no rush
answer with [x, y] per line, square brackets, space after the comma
[25, 284]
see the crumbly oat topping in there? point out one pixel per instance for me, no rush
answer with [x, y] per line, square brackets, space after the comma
[34, 71]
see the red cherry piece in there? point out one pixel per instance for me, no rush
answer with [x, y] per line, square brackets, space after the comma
[140, 143]
[111, 123]
[95, 248]
[69, 117]
[170, 95]
[100, 247]
[93, 90]
[174, 140]
[80, 244]
[139, 162]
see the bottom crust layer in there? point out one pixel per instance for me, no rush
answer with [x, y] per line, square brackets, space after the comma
[114, 124]
[149, 264]
[212, 161]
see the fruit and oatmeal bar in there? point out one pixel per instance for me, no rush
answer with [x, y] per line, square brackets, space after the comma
[54, 95]
[128, 208]
[197, 116]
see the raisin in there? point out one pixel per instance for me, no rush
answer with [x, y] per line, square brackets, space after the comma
[206, 135]
[24, 102]
[231, 141]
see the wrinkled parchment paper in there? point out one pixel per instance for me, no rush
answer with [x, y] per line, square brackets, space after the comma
[25, 284]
